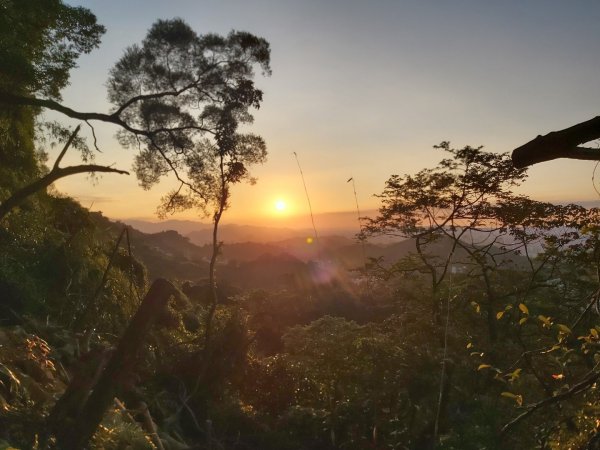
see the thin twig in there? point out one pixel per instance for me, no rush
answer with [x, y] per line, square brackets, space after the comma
[312, 218]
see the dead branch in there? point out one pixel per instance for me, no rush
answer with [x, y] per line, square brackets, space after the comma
[76, 435]
[560, 144]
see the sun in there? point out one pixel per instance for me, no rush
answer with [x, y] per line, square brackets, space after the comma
[280, 205]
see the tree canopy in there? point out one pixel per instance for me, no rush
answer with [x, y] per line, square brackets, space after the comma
[40, 41]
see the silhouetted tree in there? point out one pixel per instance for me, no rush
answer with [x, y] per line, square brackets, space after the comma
[447, 204]
[171, 91]
[190, 94]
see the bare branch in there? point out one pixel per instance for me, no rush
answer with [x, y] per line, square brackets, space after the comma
[66, 147]
[560, 144]
[94, 136]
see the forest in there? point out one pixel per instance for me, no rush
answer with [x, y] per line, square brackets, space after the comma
[475, 326]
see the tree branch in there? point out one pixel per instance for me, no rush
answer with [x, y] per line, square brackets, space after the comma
[589, 380]
[560, 144]
[56, 173]
[114, 118]
[66, 147]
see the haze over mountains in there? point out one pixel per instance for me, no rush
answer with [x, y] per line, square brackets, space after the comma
[280, 228]
[261, 257]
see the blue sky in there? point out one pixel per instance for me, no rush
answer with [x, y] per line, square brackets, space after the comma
[365, 89]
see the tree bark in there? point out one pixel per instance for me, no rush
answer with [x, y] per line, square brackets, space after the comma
[560, 144]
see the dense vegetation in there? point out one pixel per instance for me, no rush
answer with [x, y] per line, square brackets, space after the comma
[477, 331]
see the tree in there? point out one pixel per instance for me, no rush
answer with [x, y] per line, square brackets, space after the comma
[442, 208]
[521, 261]
[178, 88]
[171, 91]
[560, 144]
[40, 42]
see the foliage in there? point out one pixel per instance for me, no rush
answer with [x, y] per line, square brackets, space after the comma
[178, 87]
[485, 336]
[40, 41]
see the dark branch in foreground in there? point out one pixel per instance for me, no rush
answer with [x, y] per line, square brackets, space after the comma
[75, 433]
[560, 144]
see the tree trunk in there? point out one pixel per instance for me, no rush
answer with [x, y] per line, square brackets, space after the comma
[216, 248]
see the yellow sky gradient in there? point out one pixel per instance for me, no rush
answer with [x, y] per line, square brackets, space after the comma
[365, 90]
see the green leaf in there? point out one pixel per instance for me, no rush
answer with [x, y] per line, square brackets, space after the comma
[515, 374]
[563, 328]
[523, 320]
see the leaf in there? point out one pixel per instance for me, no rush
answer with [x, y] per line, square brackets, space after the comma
[523, 308]
[484, 366]
[470, 345]
[516, 397]
[545, 320]
[514, 375]
[563, 328]
[499, 315]
[558, 376]
[594, 333]
[523, 320]
[476, 306]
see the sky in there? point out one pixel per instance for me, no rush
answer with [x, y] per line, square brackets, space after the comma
[365, 90]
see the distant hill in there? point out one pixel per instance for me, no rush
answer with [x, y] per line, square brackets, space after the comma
[246, 233]
[254, 257]
[342, 224]
[183, 227]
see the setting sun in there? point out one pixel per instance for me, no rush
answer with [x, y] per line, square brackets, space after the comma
[280, 205]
